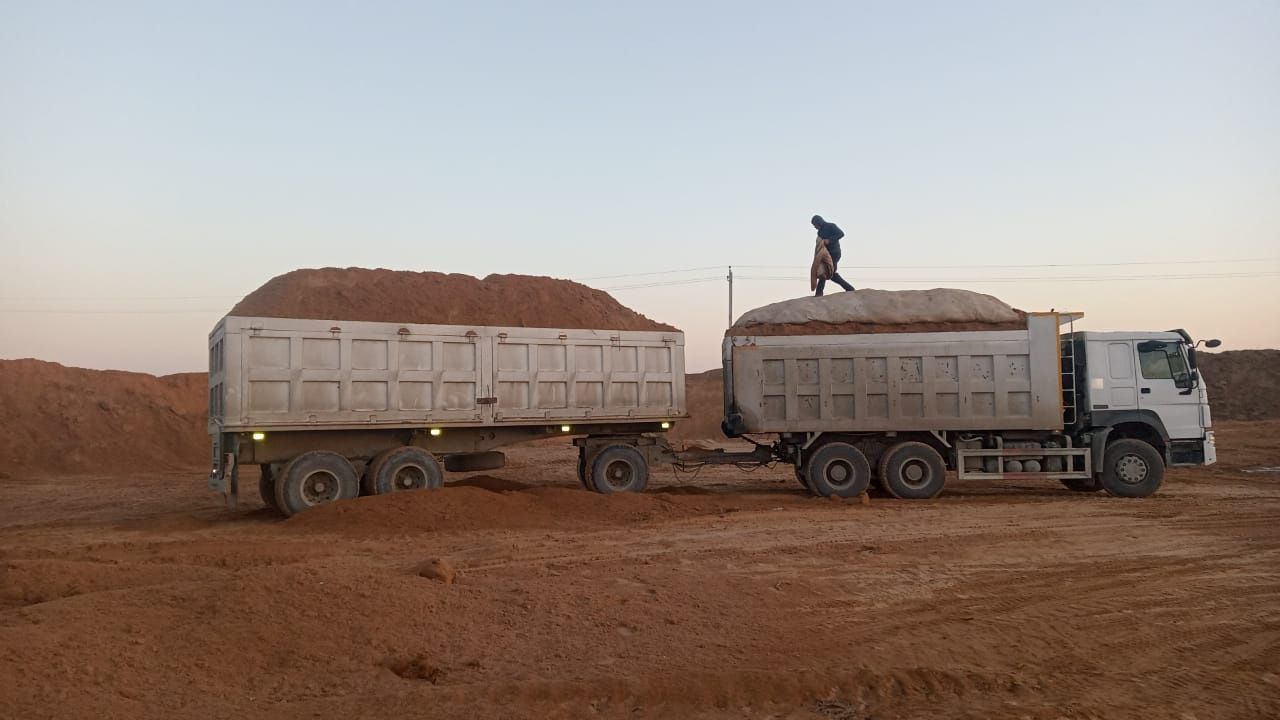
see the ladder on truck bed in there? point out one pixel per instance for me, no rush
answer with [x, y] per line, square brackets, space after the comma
[1067, 354]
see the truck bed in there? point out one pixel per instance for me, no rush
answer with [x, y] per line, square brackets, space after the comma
[975, 380]
[274, 373]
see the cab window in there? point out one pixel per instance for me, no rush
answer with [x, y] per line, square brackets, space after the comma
[1163, 361]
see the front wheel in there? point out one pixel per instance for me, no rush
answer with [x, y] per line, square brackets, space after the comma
[618, 468]
[1132, 468]
[315, 478]
[837, 469]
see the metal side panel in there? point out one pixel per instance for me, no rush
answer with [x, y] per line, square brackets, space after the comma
[316, 373]
[583, 375]
[998, 380]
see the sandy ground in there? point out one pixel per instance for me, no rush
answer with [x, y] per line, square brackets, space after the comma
[730, 595]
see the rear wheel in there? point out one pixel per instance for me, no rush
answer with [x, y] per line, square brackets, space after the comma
[618, 468]
[913, 471]
[583, 479]
[1082, 484]
[267, 487]
[1132, 468]
[837, 469]
[403, 468]
[315, 478]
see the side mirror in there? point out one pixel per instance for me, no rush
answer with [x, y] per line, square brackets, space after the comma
[1212, 343]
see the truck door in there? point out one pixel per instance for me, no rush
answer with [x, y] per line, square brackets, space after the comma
[1165, 388]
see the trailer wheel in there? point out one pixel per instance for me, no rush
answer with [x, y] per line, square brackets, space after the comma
[912, 471]
[583, 479]
[618, 468]
[267, 487]
[315, 478]
[1131, 468]
[837, 469]
[403, 468]
[1082, 484]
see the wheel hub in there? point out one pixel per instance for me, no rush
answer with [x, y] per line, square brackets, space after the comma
[915, 474]
[839, 474]
[319, 487]
[1131, 469]
[618, 474]
[410, 477]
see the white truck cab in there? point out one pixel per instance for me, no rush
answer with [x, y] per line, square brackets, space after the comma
[1145, 385]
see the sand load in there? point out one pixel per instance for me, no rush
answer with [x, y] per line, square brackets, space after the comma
[433, 298]
[881, 311]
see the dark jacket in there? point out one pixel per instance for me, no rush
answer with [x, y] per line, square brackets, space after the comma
[830, 232]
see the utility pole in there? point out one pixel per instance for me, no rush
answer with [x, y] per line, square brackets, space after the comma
[730, 296]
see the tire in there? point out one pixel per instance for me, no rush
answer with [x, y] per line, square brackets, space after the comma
[315, 478]
[583, 480]
[838, 469]
[618, 468]
[1082, 484]
[267, 487]
[804, 482]
[912, 471]
[403, 468]
[1132, 468]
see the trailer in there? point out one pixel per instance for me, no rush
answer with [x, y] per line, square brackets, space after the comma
[329, 410]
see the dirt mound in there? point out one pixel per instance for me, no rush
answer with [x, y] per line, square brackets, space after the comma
[1243, 384]
[440, 299]
[704, 394]
[57, 419]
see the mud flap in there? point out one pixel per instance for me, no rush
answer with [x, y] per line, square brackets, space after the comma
[224, 477]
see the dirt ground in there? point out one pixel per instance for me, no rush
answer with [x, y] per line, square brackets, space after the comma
[730, 595]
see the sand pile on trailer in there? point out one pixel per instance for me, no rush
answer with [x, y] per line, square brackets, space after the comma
[434, 298]
[881, 311]
[57, 419]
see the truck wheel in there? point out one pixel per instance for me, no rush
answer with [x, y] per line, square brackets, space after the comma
[1131, 468]
[804, 482]
[912, 471]
[619, 468]
[315, 478]
[403, 468]
[1082, 484]
[267, 487]
[583, 480]
[838, 469]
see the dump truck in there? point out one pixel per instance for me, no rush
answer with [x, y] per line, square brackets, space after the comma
[1094, 411]
[329, 410]
[332, 410]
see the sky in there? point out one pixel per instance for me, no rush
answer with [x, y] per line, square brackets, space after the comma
[159, 160]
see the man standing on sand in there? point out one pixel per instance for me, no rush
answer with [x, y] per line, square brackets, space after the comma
[831, 234]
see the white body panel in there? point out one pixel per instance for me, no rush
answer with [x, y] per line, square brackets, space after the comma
[287, 373]
[981, 380]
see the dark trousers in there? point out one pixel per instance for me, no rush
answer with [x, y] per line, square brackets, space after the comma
[835, 276]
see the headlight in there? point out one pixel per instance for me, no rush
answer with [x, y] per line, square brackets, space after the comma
[1208, 437]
